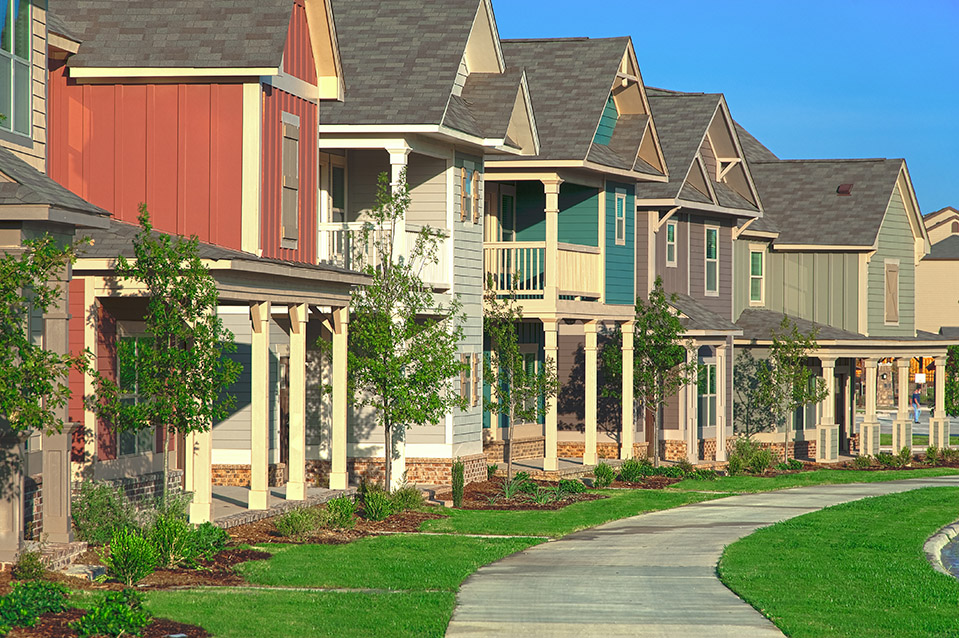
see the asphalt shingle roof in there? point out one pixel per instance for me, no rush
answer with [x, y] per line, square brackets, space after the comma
[569, 83]
[30, 186]
[947, 248]
[799, 196]
[759, 324]
[177, 33]
[697, 316]
[56, 24]
[489, 97]
[753, 149]
[400, 59]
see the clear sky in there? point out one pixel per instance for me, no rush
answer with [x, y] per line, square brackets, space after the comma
[811, 79]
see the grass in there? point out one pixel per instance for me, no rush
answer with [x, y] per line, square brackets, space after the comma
[749, 484]
[235, 613]
[856, 569]
[401, 562]
[557, 523]
[918, 440]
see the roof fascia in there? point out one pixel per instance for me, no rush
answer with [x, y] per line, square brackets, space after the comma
[912, 206]
[724, 107]
[169, 72]
[330, 87]
[707, 208]
[593, 166]
[52, 214]
[651, 124]
[61, 42]
[824, 247]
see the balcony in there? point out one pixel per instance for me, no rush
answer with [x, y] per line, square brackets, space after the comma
[521, 267]
[342, 244]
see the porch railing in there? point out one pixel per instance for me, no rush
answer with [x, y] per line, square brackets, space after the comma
[521, 267]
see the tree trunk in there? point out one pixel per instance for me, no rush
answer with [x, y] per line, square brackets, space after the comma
[657, 425]
[387, 454]
[509, 446]
[166, 465]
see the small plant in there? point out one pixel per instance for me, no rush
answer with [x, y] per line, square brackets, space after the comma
[341, 513]
[295, 523]
[491, 471]
[948, 456]
[885, 459]
[523, 476]
[208, 540]
[545, 495]
[172, 538]
[760, 461]
[905, 456]
[735, 465]
[604, 475]
[634, 471]
[118, 614]
[685, 467]
[571, 486]
[795, 464]
[99, 510]
[862, 462]
[131, 557]
[406, 498]
[932, 456]
[458, 481]
[28, 600]
[705, 475]
[513, 486]
[28, 566]
[376, 503]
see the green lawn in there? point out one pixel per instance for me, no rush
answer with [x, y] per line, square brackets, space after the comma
[557, 523]
[741, 484]
[856, 569]
[920, 440]
[402, 562]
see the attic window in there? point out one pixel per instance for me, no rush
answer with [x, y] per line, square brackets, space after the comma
[955, 227]
[844, 190]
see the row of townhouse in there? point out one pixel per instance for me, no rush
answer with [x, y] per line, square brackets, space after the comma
[261, 127]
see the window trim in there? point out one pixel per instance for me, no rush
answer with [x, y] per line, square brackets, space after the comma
[885, 284]
[476, 384]
[706, 364]
[620, 238]
[132, 330]
[674, 262]
[13, 59]
[707, 260]
[290, 130]
[761, 251]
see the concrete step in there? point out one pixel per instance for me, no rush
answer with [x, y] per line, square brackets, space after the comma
[57, 556]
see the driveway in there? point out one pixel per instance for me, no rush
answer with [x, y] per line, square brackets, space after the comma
[650, 575]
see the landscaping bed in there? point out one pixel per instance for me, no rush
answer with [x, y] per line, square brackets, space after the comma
[57, 626]
[489, 495]
[264, 531]
[648, 483]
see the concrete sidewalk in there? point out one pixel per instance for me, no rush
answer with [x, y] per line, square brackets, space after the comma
[651, 575]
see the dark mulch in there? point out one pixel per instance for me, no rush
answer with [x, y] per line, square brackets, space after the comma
[57, 626]
[488, 495]
[264, 531]
[217, 572]
[648, 483]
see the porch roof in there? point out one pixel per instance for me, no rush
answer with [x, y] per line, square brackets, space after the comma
[696, 318]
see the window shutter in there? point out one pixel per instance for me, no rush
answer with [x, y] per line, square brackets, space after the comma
[476, 373]
[892, 293]
[476, 199]
[290, 204]
[464, 377]
[464, 201]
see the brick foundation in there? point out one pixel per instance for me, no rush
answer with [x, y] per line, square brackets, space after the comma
[528, 448]
[32, 507]
[418, 470]
[239, 475]
[805, 450]
[144, 489]
[604, 450]
[674, 450]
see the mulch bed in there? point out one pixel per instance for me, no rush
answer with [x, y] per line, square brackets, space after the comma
[264, 531]
[648, 483]
[488, 495]
[57, 626]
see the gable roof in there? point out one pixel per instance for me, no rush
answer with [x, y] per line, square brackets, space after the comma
[939, 217]
[176, 33]
[947, 248]
[753, 149]
[800, 198]
[28, 186]
[759, 324]
[486, 103]
[695, 316]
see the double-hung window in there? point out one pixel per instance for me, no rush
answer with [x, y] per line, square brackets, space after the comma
[16, 96]
[671, 244]
[712, 260]
[707, 394]
[130, 355]
[757, 268]
[338, 192]
[620, 219]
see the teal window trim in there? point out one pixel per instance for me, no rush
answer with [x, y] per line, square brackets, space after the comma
[711, 261]
[671, 244]
[16, 73]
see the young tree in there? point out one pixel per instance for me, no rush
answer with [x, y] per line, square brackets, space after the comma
[952, 381]
[33, 380]
[752, 411]
[789, 382]
[175, 379]
[402, 344]
[517, 391]
[661, 362]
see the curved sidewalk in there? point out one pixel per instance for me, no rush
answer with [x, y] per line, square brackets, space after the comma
[650, 575]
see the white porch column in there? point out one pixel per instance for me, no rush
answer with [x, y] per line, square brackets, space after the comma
[551, 351]
[296, 487]
[260, 406]
[689, 410]
[589, 451]
[939, 430]
[399, 159]
[551, 188]
[91, 311]
[628, 425]
[338, 477]
[902, 426]
[827, 432]
[721, 426]
[869, 430]
[199, 468]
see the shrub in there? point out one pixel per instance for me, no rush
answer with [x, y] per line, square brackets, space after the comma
[760, 461]
[341, 513]
[685, 467]
[795, 464]
[523, 476]
[862, 462]
[295, 523]
[706, 475]
[750, 456]
[948, 455]
[376, 503]
[603, 475]
[408, 497]
[172, 538]
[633, 470]
[207, 540]
[491, 471]
[885, 459]
[571, 486]
[175, 506]
[735, 465]
[131, 558]
[28, 566]
[458, 481]
[118, 614]
[99, 510]
[28, 600]
[932, 455]
[905, 456]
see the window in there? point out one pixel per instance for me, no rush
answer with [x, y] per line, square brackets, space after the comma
[955, 227]
[531, 365]
[474, 190]
[712, 261]
[338, 193]
[756, 268]
[507, 214]
[620, 219]
[671, 244]
[290, 203]
[466, 377]
[892, 292]
[130, 351]
[464, 195]
[707, 394]
[16, 95]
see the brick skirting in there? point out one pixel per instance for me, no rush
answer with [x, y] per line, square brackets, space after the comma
[418, 470]
[528, 448]
[32, 507]
[239, 475]
[604, 450]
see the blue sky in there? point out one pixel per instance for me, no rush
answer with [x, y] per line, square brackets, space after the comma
[812, 79]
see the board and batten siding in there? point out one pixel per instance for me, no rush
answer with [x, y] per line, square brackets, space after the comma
[721, 304]
[620, 268]
[896, 242]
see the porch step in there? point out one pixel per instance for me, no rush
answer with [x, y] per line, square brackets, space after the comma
[57, 556]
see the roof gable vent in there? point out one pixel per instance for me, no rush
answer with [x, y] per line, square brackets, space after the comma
[844, 190]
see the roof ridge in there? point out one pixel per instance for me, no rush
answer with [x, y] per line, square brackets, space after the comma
[566, 39]
[674, 93]
[836, 159]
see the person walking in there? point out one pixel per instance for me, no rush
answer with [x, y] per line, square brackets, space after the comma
[915, 404]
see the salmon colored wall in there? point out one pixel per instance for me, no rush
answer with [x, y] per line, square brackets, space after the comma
[298, 51]
[275, 103]
[177, 147]
[75, 381]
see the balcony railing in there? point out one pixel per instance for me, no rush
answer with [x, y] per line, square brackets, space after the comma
[343, 244]
[521, 267]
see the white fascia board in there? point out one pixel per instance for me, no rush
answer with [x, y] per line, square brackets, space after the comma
[170, 72]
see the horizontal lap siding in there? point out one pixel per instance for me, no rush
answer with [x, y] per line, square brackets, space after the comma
[578, 215]
[426, 177]
[175, 147]
[620, 268]
[233, 432]
[675, 278]
[896, 241]
[275, 103]
[363, 170]
[530, 211]
[723, 303]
